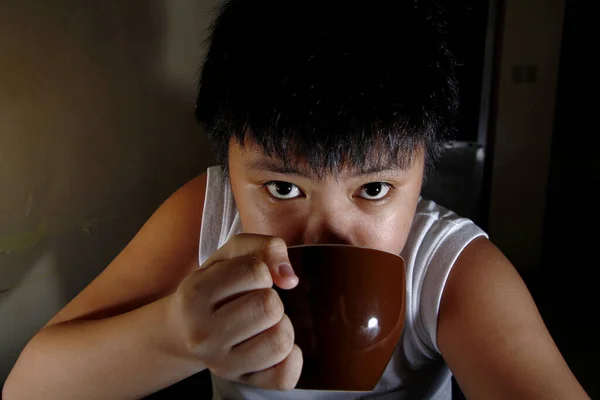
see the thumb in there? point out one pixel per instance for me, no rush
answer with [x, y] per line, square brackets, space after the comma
[275, 255]
[284, 276]
[271, 250]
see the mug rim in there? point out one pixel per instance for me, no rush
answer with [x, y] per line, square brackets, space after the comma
[344, 245]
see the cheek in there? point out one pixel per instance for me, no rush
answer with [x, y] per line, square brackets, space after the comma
[396, 226]
[388, 231]
[389, 228]
[400, 234]
[261, 217]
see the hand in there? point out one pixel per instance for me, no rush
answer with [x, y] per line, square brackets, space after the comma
[229, 315]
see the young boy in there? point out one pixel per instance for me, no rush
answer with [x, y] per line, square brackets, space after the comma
[325, 117]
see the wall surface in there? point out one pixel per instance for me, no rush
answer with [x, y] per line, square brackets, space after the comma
[96, 130]
[524, 127]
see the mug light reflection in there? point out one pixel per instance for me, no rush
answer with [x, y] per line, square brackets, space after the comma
[373, 323]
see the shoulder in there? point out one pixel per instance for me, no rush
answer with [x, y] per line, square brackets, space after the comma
[190, 194]
[181, 213]
[491, 334]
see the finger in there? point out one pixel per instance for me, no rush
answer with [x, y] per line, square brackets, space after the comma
[283, 376]
[272, 250]
[232, 277]
[264, 350]
[247, 316]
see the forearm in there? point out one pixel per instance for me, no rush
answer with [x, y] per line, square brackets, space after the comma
[122, 357]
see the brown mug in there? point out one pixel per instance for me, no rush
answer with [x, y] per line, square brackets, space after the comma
[347, 312]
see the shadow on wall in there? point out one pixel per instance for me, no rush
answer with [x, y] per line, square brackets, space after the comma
[96, 130]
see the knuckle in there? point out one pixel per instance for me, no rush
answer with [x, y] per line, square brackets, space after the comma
[182, 295]
[258, 271]
[190, 316]
[196, 285]
[223, 364]
[274, 243]
[271, 305]
[189, 286]
[194, 339]
[184, 301]
[194, 301]
[241, 237]
[224, 367]
[193, 293]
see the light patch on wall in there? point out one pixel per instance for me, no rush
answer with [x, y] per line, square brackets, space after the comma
[28, 306]
[20, 242]
[43, 268]
[185, 32]
[29, 205]
[526, 73]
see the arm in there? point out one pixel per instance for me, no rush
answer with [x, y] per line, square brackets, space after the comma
[115, 340]
[492, 336]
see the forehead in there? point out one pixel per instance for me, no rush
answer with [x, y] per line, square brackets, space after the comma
[252, 157]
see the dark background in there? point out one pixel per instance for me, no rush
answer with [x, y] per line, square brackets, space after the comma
[566, 284]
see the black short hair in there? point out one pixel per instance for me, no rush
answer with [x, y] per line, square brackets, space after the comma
[332, 82]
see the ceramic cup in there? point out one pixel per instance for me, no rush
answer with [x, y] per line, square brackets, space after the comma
[347, 312]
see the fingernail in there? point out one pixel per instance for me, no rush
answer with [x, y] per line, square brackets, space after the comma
[286, 270]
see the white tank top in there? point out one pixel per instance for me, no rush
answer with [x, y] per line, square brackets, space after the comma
[416, 370]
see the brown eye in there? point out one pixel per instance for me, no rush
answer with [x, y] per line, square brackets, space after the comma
[283, 190]
[375, 190]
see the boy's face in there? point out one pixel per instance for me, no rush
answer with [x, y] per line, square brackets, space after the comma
[373, 210]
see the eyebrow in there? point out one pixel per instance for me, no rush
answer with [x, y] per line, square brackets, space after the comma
[267, 165]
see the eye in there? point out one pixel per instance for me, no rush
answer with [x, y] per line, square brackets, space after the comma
[375, 190]
[283, 190]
